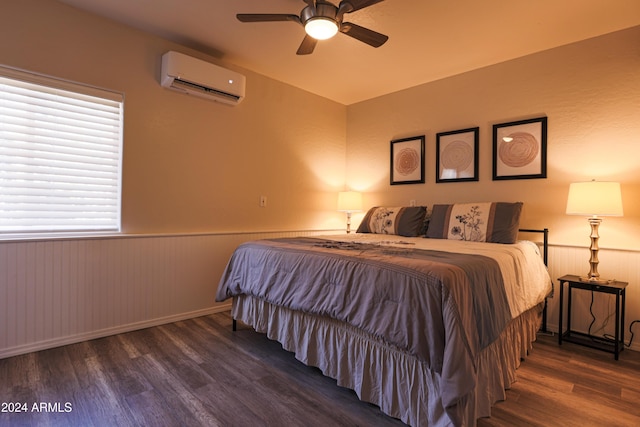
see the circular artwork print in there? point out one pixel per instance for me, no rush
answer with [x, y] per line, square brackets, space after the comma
[457, 155]
[521, 150]
[407, 161]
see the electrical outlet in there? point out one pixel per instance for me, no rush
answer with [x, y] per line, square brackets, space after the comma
[263, 201]
[412, 202]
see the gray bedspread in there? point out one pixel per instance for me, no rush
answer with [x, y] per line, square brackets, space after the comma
[441, 307]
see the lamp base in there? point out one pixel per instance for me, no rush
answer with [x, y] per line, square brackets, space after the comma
[594, 276]
[596, 280]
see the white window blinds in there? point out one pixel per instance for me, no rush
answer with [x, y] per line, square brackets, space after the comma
[60, 156]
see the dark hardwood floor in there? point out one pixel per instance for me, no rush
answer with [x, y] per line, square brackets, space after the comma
[199, 373]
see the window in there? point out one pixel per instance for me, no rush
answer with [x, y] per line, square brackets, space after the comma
[60, 155]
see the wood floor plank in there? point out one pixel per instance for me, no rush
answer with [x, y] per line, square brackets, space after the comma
[570, 385]
[157, 413]
[199, 372]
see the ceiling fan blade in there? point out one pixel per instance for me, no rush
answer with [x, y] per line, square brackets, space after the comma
[353, 5]
[307, 45]
[365, 35]
[267, 17]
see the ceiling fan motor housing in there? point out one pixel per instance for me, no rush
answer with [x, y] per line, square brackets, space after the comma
[321, 10]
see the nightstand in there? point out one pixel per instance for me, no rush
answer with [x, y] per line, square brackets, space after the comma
[615, 287]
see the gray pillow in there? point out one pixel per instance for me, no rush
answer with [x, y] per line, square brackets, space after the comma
[496, 222]
[404, 221]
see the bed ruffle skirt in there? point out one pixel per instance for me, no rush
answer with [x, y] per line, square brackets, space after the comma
[398, 383]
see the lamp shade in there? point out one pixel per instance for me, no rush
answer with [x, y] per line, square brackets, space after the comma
[349, 201]
[594, 198]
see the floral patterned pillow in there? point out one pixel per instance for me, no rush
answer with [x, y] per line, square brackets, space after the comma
[403, 221]
[477, 222]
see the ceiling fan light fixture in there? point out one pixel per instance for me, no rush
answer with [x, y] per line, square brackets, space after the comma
[321, 28]
[322, 20]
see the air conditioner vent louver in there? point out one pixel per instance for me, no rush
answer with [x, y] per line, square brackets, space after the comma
[206, 90]
[199, 78]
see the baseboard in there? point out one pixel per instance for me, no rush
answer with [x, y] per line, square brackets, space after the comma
[72, 339]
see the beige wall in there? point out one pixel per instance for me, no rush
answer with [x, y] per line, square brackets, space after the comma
[191, 165]
[590, 92]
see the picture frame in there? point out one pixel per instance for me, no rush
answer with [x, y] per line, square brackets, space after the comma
[407, 160]
[457, 155]
[520, 149]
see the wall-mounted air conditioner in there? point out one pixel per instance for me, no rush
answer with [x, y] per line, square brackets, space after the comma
[193, 76]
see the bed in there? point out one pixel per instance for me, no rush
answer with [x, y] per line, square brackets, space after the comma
[431, 330]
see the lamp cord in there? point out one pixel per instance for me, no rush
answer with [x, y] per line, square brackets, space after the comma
[593, 316]
[609, 336]
[605, 322]
[631, 332]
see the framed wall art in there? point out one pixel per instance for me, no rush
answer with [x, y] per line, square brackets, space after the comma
[457, 155]
[407, 160]
[520, 149]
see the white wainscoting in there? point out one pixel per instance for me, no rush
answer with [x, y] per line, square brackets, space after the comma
[57, 292]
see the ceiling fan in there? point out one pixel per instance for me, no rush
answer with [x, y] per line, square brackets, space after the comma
[322, 20]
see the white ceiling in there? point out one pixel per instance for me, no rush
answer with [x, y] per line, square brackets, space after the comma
[428, 39]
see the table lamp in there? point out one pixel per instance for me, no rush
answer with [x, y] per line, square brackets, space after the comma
[349, 201]
[594, 199]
